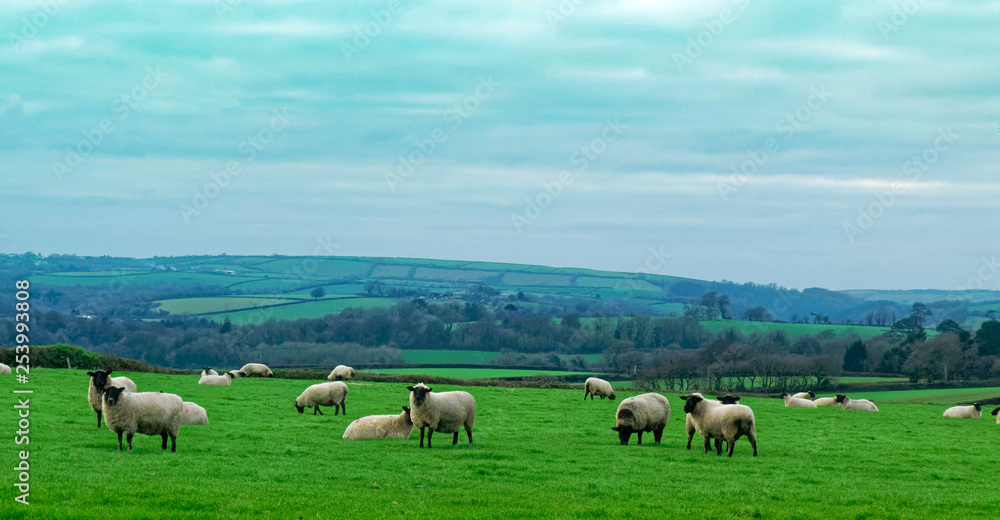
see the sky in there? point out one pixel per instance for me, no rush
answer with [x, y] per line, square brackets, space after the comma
[822, 144]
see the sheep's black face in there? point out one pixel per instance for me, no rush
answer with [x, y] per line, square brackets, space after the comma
[409, 418]
[811, 395]
[691, 402]
[729, 399]
[624, 433]
[996, 410]
[100, 378]
[419, 393]
[840, 398]
[299, 408]
[979, 406]
[112, 394]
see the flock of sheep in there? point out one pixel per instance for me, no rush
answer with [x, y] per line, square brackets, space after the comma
[126, 411]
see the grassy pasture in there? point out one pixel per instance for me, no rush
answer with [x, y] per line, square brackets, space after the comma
[221, 303]
[471, 373]
[538, 454]
[794, 330]
[305, 309]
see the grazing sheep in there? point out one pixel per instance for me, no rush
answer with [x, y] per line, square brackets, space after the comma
[381, 427]
[4, 369]
[323, 394]
[995, 410]
[827, 401]
[256, 370]
[792, 402]
[236, 373]
[594, 386]
[642, 413]
[148, 413]
[444, 412]
[973, 411]
[861, 405]
[223, 380]
[208, 372]
[99, 381]
[805, 395]
[193, 414]
[727, 422]
[341, 373]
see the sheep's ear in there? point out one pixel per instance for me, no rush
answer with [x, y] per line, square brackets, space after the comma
[410, 388]
[720, 398]
[737, 398]
[684, 397]
[406, 409]
[91, 374]
[430, 389]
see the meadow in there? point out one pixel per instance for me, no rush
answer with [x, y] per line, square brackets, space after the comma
[537, 454]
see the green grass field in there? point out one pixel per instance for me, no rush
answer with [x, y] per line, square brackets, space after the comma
[219, 304]
[794, 330]
[537, 454]
[463, 357]
[306, 309]
[471, 373]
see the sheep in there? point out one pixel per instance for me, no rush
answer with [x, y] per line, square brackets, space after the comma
[381, 427]
[323, 394]
[792, 402]
[148, 413]
[805, 395]
[594, 386]
[341, 373]
[827, 401]
[692, 427]
[256, 370]
[727, 422]
[973, 411]
[100, 380]
[729, 399]
[223, 380]
[4, 369]
[236, 373]
[995, 410]
[208, 372]
[862, 405]
[642, 413]
[444, 412]
[193, 414]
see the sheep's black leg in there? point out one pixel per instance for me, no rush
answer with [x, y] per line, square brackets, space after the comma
[98, 418]
[640, 438]
[129, 438]
[470, 435]
[430, 432]
[421, 436]
[318, 411]
[454, 439]
[164, 445]
[753, 442]
[173, 443]
[690, 436]
[585, 394]
[732, 444]
[343, 407]
[336, 409]
[718, 447]
[708, 444]
[658, 434]
[119, 441]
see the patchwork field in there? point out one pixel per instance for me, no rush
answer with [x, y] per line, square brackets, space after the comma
[472, 373]
[794, 330]
[537, 454]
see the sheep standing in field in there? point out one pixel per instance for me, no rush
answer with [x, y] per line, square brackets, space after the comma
[256, 370]
[861, 405]
[692, 427]
[4, 369]
[827, 401]
[805, 395]
[594, 386]
[727, 422]
[323, 394]
[973, 411]
[99, 381]
[148, 413]
[642, 413]
[193, 414]
[208, 372]
[223, 380]
[793, 402]
[341, 373]
[381, 427]
[445, 412]
[995, 412]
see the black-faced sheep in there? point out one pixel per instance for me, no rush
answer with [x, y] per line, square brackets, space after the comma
[599, 387]
[793, 402]
[323, 394]
[861, 405]
[256, 370]
[972, 411]
[642, 413]
[99, 381]
[445, 412]
[148, 413]
[805, 395]
[341, 373]
[223, 380]
[726, 422]
[381, 427]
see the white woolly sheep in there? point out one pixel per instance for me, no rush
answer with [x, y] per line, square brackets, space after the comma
[323, 394]
[4, 369]
[691, 426]
[642, 413]
[861, 405]
[100, 380]
[972, 411]
[193, 414]
[792, 402]
[341, 373]
[223, 380]
[827, 401]
[208, 372]
[727, 422]
[148, 413]
[805, 395]
[256, 370]
[381, 427]
[595, 386]
[445, 412]
[996, 411]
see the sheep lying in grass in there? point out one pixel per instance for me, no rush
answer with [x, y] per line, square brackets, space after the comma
[99, 381]
[208, 372]
[805, 395]
[445, 412]
[726, 422]
[381, 427]
[223, 380]
[256, 370]
[972, 411]
[792, 402]
[995, 412]
[4, 369]
[323, 394]
[861, 405]
[193, 414]
[341, 373]
[148, 413]
[642, 413]
[827, 401]
[236, 373]
[594, 386]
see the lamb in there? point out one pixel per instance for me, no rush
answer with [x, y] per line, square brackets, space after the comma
[193, 414]
[444, 412]
[99, 381]
[995, 410]
[4, 369]
[973, 411]
[793, 402]
[323, 394]
[862, 405]
[827, 401]
[594, 386]
[223, 380]
[381, 427]
[148, 413]
[341, 373]
[256, 370]
[805, 395]
[726, 422]
[208, 372]
[642, 413]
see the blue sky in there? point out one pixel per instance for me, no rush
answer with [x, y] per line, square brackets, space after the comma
[841, 145]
